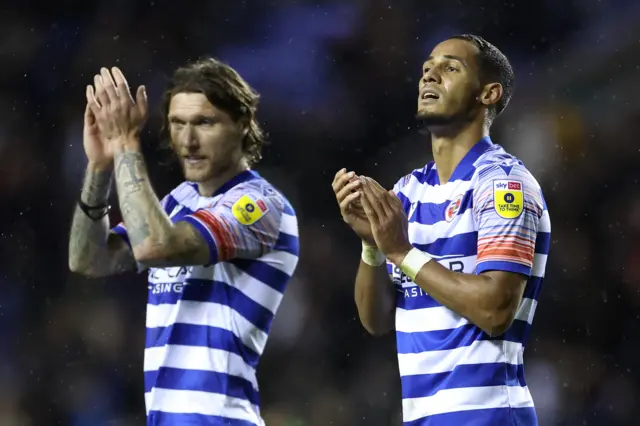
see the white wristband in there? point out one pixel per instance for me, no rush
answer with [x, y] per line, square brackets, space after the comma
[413, 262]
[372, 256]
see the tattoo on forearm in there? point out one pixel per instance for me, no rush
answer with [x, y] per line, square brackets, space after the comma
[137, 200]
[130, 166]
[88, 243]
[87, 237]
[95, 189]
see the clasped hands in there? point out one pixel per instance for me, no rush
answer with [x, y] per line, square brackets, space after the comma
[375, 214]
[118, 116]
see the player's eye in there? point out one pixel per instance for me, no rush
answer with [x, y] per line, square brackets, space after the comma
[451, 69]
[204, 122]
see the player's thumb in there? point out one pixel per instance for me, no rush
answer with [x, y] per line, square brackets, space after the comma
[142, 101]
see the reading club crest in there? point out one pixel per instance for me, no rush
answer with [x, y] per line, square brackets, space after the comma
[453, 208]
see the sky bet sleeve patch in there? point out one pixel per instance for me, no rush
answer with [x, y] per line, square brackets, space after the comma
[248, 211]
[508, 198]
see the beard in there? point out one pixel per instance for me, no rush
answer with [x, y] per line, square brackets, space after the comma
[465, 113]
[428, 119]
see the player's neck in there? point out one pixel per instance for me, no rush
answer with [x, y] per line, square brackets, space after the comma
[209, 187]
[451, 145]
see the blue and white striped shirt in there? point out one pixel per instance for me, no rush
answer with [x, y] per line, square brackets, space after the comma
[491, 215]
[207, 326]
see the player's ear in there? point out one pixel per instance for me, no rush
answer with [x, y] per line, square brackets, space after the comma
[244, 124]
[491, 94]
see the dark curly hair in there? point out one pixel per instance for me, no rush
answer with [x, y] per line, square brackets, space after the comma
[494, 67]
[226, 90]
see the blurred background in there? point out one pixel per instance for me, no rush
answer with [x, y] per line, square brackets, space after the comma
[339, 85]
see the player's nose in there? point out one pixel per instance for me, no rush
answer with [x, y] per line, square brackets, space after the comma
[431, 76]
[189, 137]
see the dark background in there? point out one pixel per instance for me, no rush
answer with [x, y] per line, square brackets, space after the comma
[339, 85]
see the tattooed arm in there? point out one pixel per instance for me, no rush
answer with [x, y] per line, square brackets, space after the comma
[94, 250]
[155, 240]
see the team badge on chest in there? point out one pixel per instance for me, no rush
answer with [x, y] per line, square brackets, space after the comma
[453, 208]
[508, 199]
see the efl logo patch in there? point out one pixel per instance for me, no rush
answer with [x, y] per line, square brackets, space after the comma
[508, 198]
[247, 211]
[453, 208]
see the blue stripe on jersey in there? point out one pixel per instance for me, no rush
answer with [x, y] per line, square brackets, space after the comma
[532, 289]
[202, 336]
[287, 243]
[225, 294]
[505, 266]
[543, 242]
[161, 418]
[426, 175]
[493, 416]
[270, 275]
[197, 290]
[463, 336]
[288, 209]
[122, 232]
[405, 201]
[203, 381]
[459, 245]
[463, 376]
[180, 214]
[170, 204]
[431, 213]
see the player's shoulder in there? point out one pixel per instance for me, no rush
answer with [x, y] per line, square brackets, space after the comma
[261, 193]
[415, 177]
[185, 194]
[498, 165]
[501, 173]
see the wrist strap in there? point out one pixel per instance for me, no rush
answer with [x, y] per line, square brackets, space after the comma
[413, 262]
[94, 213]
[372, 256]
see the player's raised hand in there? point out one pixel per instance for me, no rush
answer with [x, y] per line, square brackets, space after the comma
[346, 187]
[98, 152]
[117, 114]
[388, 219]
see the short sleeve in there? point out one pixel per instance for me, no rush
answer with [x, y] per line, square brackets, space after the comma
[507, 207]
[243, 224]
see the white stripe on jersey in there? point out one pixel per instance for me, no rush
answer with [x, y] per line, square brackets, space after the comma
[207, 359]
[479, 352]
[477, 398]
[208, 404]
[209, 315]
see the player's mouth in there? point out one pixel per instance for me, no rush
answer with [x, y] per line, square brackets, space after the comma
[194, 160]
[429, 95]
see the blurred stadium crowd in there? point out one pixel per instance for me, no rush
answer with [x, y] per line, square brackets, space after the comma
[338, 80]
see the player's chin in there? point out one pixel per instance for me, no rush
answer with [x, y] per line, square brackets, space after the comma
[197, 174]
[431, 116]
